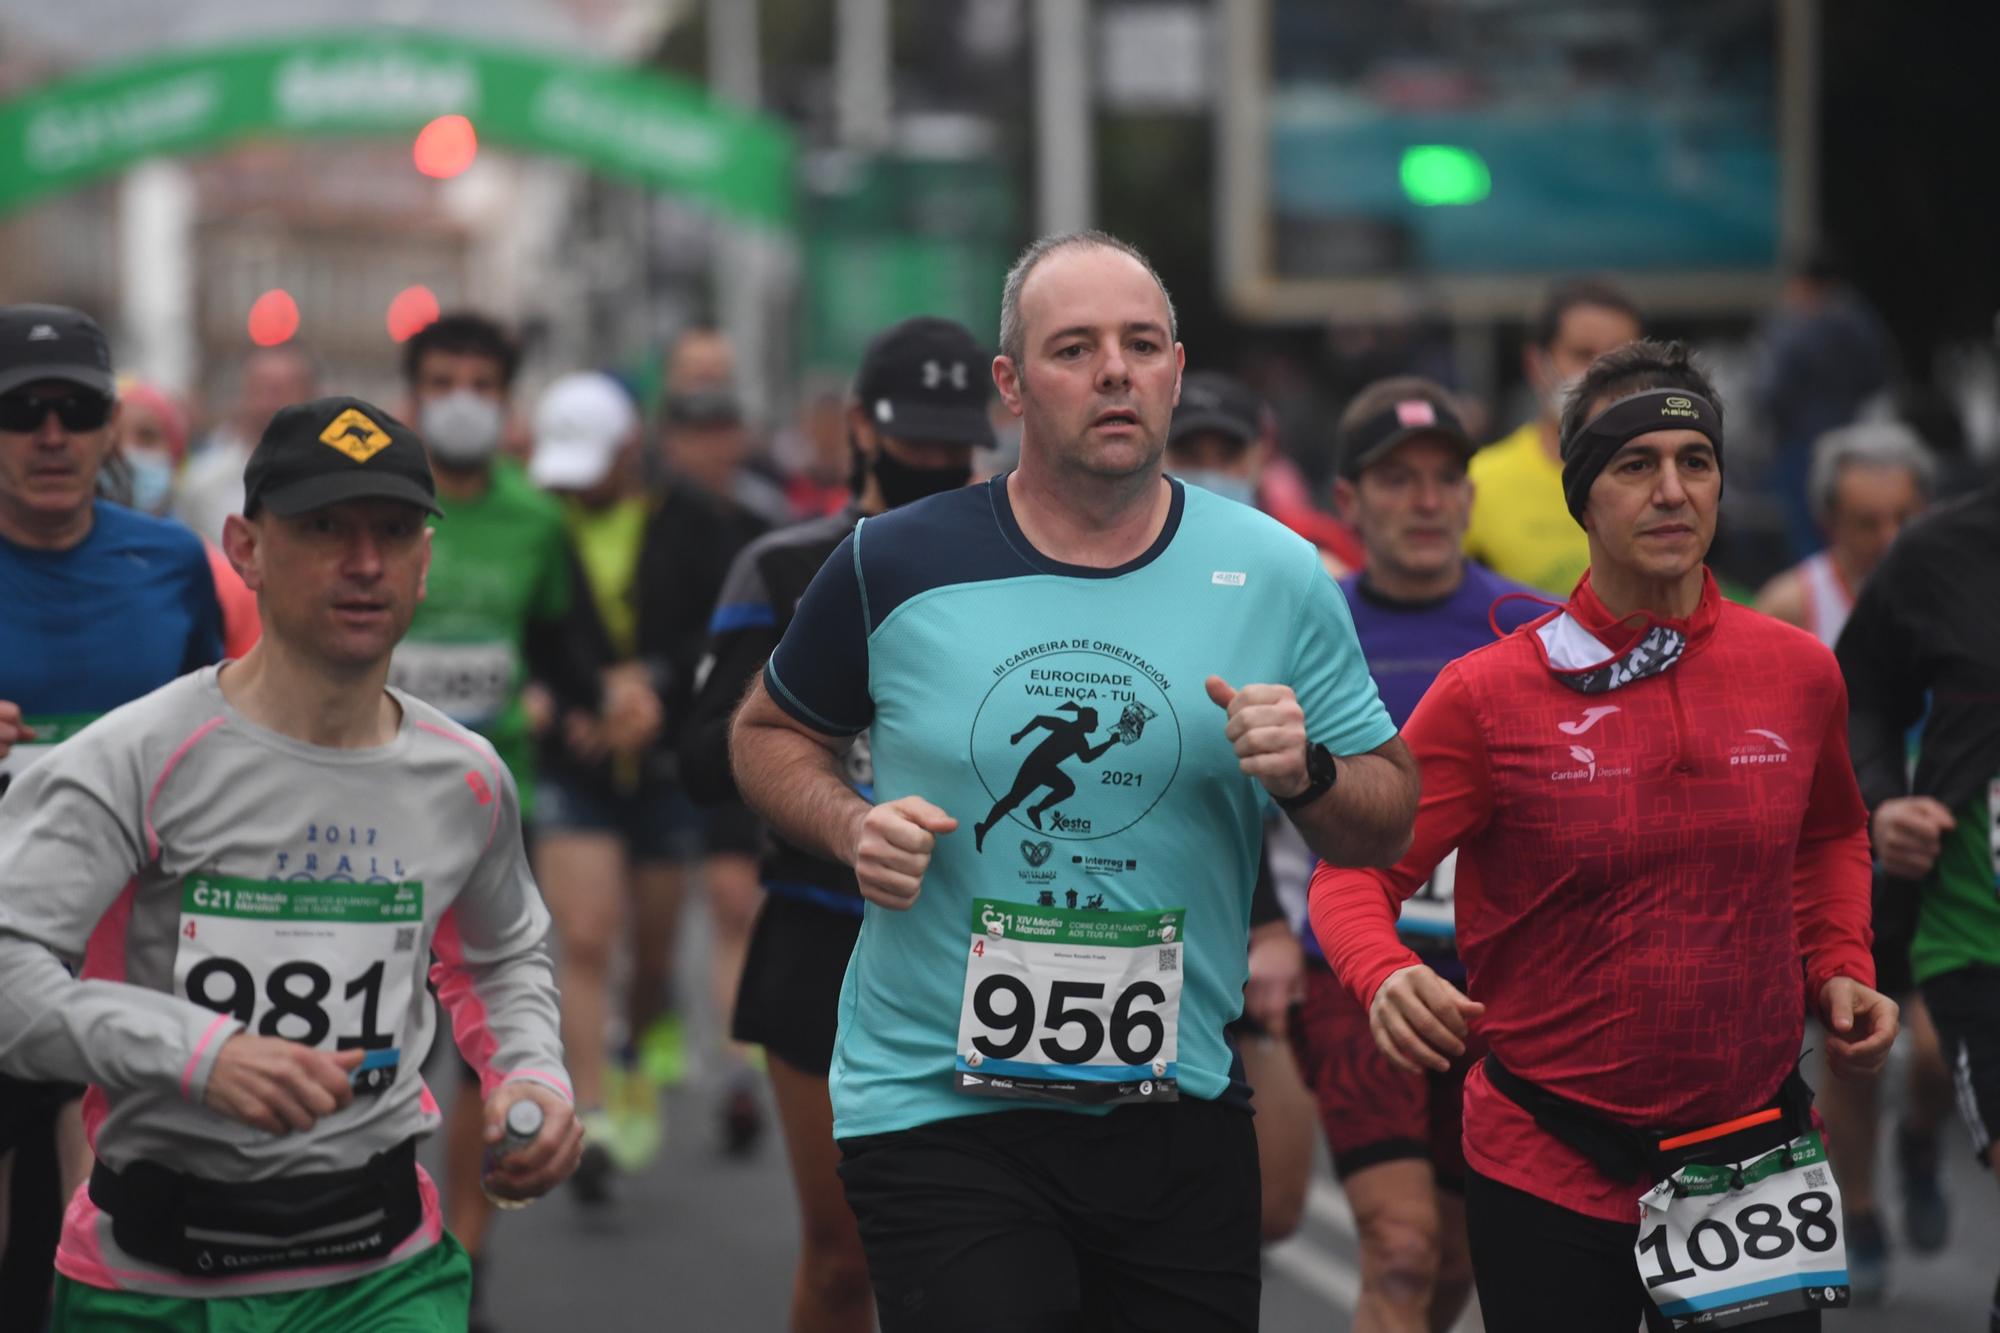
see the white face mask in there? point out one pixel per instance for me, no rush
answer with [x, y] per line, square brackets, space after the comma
[463, 427]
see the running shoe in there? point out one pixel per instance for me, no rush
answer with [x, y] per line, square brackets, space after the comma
[1867, 1259]
[742, 1120]
[592, 1179]
[1926, 1218]
[663, 1051]
[638, 1120]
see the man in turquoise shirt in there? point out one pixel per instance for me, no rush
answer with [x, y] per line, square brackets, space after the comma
[1082, 683]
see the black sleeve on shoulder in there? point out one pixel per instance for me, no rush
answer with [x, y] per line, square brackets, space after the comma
[1885, 695]
[741, 636]
[819, 671]
[568, 654]
[687, 552]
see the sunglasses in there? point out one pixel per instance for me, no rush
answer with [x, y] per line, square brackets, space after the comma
[23, 413]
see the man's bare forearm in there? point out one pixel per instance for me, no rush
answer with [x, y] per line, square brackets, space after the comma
[793, 779]
[1367, 818]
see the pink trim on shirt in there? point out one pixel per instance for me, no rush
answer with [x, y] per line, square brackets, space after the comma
[81, 1259]
[426, 1103]
[96, 1106]
[194, 1061]
[152, 798]
[104, 955]
[487, 757]
[554, 1082]
[456, 992]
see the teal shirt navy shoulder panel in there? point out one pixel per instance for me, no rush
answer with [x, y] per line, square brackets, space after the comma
[1060, 714]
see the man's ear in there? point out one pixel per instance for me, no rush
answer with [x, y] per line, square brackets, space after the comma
[1007, 379]
[1346, 500]
[241, 544]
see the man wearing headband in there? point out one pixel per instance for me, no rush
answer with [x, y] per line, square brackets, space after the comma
[1659, 834]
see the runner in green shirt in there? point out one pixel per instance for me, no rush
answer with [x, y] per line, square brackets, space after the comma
[505, 641]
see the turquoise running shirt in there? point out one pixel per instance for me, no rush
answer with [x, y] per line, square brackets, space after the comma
[1107, 841]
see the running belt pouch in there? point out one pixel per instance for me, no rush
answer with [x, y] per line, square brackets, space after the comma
[206, 1228]
[1625, 1153]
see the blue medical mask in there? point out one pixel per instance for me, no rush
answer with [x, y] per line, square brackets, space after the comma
[1228, 485]
[152, 474]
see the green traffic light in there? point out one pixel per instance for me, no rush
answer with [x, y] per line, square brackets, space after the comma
[1439, 174]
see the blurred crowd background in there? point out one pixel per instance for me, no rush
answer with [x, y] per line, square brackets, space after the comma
[262, 201]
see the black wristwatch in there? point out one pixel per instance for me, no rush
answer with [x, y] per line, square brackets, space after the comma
[1321, 774]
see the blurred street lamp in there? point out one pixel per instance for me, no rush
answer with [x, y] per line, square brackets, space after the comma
[274, 318]
[411, 311]
[445, 147]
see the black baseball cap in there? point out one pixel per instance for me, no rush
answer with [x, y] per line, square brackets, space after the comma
[1213, 401]
[53, 342]
[925, 380]
[332, 449]
[1421, 411]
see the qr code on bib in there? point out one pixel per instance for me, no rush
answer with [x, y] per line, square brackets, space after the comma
[406, 938]
[1170, 959]
[1816, 1177]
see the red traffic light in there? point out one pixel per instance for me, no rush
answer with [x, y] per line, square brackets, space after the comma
[445, 147]
[412, 310]
[274, 318]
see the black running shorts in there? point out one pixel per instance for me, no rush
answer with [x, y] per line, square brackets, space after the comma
[1965, 1005]
[1047, 1221]
[789, 996]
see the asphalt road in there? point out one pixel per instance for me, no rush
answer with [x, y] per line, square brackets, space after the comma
[702, 1242]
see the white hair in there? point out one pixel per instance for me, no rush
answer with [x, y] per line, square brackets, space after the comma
[1881, 444]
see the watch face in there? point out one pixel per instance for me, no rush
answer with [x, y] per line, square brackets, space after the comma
[1320, 766]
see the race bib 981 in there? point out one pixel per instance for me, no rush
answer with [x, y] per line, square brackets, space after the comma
[331, 965]
[1071, 1005]
[1724, 1247]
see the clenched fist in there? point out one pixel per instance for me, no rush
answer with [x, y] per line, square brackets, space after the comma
[1268, 729]
[892, 848]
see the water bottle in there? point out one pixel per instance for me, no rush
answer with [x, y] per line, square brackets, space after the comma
[521, 1127]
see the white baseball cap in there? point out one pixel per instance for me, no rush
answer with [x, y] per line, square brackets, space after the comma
[581, 423]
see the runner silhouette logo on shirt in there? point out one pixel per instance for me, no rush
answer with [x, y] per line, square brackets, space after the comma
[1074, 742]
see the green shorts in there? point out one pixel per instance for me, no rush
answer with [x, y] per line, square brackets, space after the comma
[430, 1293]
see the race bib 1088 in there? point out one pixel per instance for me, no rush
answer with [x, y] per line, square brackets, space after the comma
[1071, 1005]
[331, 965]
[1724, 1247]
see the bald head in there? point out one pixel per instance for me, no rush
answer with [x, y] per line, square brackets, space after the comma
[1013, 326]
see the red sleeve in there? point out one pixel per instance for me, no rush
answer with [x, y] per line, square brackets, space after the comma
[1831, 873]
[1354, 911]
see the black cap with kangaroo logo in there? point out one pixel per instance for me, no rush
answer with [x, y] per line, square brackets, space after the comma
[332, 449]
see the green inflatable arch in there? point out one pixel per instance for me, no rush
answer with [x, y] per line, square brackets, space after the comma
[651, 130]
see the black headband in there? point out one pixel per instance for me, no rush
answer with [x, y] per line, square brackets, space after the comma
[1588, 452]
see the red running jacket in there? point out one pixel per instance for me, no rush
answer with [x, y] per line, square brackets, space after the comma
[1643, 876]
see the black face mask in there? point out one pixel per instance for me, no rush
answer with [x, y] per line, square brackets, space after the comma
[902, 484]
